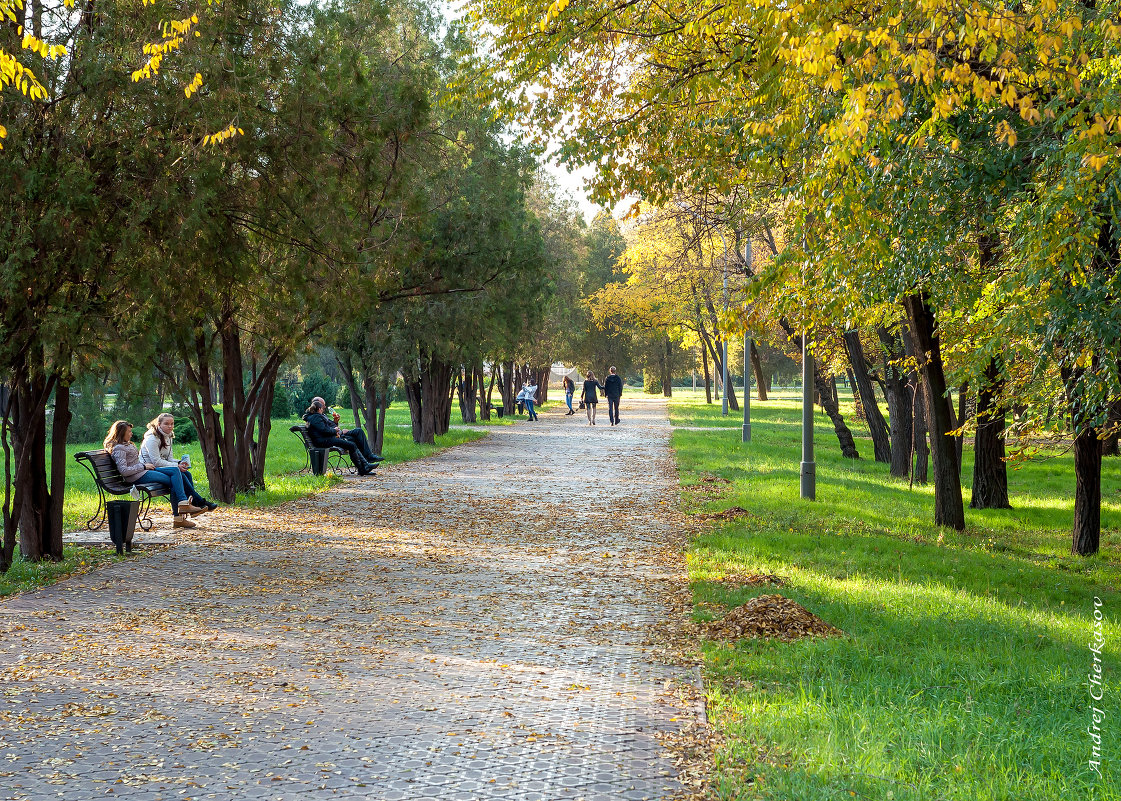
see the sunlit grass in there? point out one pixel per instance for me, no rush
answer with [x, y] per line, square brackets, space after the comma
[962, 674]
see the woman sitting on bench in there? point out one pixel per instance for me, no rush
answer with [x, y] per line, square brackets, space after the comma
[156, 449]
[118, 442]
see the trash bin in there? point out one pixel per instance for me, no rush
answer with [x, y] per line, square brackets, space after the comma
[122, 522]
[499, 410]
[318, 457]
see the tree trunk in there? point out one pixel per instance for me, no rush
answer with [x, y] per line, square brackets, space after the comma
[40, 520]
[717, 357]
[761, 384]
[667, 367]
[949, 509]
[899, 408]
[708, 378]
[963, 401]
[468, 395]
[509, 393]
[920, 432]
[416, 408]
[52, 539]
[357, 403]
[483, 397]
[1087, 492]
[433, 395]
[990, 473]
[1110, 442]
[877, 426]
[857, 403]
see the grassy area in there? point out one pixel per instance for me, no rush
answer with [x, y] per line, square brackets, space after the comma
[286, 456]
[963, 672]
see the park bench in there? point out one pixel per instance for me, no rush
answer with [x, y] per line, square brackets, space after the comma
[498, 410]
[333, 457]
[108, 480]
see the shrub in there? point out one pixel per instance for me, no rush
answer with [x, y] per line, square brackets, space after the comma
[342, 397]
[185, 431]
[651, 383]
[281, 401]
[314, 384]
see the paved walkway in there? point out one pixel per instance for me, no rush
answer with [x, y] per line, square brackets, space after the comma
[475, 625]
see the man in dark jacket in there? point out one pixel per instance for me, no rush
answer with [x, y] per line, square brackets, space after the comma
[613, 388]
[324, 432]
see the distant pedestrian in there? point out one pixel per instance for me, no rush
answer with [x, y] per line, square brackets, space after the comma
[569, 391]
[590, 397]
[530, 397]
[613, 389]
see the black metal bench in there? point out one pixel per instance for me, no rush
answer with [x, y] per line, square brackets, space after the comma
[333, 457]
[109, 481]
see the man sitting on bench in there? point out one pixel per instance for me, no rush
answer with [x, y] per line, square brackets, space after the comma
[324, 432]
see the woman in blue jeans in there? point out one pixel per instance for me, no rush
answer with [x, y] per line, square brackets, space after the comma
[118, 443]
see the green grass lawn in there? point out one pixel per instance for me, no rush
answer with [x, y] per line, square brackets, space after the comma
[963, 671]
[285, 457]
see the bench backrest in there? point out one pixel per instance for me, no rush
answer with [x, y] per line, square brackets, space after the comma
[104, 470]
[301, 432]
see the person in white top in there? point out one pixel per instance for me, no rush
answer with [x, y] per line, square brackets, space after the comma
[156, 450]
[531, 398]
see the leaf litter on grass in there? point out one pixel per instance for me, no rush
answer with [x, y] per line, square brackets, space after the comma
[770, 617]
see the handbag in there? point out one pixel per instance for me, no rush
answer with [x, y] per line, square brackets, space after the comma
[581, 405]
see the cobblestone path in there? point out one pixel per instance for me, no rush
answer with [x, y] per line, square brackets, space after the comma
[475, 625]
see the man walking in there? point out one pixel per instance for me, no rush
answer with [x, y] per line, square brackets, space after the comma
[613, 388]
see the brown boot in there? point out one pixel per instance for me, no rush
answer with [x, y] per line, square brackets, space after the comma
[188, 508]
[181, 521]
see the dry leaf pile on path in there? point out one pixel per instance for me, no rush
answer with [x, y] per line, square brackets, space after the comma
[770, 617]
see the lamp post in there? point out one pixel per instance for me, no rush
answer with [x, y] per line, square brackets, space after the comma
[724, 336]
[809, 470]
[746, 436]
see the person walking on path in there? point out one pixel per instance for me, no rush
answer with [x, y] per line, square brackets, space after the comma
[529, 395]
[590, 397]
[118, 444]
[613, 389]
[569, 391]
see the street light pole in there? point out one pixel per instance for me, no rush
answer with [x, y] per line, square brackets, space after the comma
[724, 335]
[809, 470]
[746, 437]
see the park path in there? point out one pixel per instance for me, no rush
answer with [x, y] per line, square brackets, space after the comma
[480, 624]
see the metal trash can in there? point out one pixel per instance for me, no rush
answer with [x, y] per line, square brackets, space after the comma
[318, 457]
[499, 410]
[121, 516]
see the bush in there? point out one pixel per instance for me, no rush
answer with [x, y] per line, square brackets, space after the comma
[314, 384]
[281, 401]
[342, 397]
[651, 383]
[185, 431]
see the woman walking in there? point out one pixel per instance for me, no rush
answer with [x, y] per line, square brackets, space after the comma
[589, 396]
[118, 443]
[569, 391]
[156, 450]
